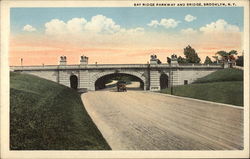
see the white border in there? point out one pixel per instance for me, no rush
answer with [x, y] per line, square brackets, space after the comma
[5, 153]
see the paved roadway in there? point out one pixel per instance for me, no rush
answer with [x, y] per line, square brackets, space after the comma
[138, 120]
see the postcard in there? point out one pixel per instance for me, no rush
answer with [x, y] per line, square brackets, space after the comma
[124, 79]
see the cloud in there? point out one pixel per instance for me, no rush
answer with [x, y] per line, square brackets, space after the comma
[55, 26]
[135, 30]
[98, 24]
[153, 23]
[217, 29]
[102, 24]
[167, 23]
[29, 28]
[189, 18]
[219, 26]
[188, 31]
[76, 25]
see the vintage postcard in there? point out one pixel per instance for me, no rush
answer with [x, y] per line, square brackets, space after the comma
[124, 79]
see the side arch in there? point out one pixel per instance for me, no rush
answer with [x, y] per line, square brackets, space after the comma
[73, 81]
[164, 81]
[64, 77]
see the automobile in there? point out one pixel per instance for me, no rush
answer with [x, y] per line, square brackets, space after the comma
[121, 86]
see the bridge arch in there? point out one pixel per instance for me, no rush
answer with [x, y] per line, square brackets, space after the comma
[101, 75]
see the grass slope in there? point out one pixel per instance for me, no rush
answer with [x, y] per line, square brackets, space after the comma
[217, 92]
[229, 74]
[47, 116]
[223, 86]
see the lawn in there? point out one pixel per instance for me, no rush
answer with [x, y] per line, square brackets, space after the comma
[229, 74]
[223, 86]
[45, 115]
[222, 92]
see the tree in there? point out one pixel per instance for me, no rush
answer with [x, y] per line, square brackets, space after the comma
[227, 56]
[240, 61]
[216, 59]
[181, 60]
[191, 55]
[208, 60]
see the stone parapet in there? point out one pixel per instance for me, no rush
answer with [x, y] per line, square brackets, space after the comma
[110, 66]
[149, 74]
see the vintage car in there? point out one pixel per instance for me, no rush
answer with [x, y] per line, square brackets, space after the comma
[121, 86]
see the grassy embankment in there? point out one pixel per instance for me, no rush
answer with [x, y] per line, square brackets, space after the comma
[223, 86]
[47, 116]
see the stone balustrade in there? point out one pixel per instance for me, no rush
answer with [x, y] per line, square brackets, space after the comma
[113, 66]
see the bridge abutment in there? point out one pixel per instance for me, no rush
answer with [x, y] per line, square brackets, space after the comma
[154, 80]
[84, 79]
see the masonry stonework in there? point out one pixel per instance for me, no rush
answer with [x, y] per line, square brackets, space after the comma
[149, 74]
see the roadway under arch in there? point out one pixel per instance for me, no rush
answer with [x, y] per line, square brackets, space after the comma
[102, 82]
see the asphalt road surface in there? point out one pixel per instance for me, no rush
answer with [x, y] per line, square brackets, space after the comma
[139, 120]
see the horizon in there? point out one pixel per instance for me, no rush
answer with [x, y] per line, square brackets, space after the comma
[78, 63]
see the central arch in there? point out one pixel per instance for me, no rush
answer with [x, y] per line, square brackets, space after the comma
[101, 80]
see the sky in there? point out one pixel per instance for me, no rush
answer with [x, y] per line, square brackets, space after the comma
[121, 34]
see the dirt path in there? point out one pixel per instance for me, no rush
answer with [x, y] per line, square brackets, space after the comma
[137, 120]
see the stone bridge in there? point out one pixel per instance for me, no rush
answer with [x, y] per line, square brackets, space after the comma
[153, 76]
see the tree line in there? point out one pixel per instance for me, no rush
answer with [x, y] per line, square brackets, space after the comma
[191, 56]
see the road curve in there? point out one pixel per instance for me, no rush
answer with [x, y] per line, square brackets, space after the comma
[138, 120]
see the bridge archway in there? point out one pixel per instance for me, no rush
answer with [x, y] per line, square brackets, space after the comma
[100, 80]
[164, 81]
[73, 81]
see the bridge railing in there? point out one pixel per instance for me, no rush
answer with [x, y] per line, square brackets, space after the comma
[99, 66]
[198, 64]
[34, 67]
[201, 65]
[188, 65]
[89, 66]
[117, 65]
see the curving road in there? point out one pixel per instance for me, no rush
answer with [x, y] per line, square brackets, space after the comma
[139, 120]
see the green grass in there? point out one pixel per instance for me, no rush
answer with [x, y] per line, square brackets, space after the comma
[223, 86]
[222, 92]
[47, 116]
[228, 74]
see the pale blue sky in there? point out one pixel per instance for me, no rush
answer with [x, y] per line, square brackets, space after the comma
[127, 17]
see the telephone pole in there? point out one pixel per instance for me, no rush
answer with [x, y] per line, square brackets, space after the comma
[22, 62]
[172, 82]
